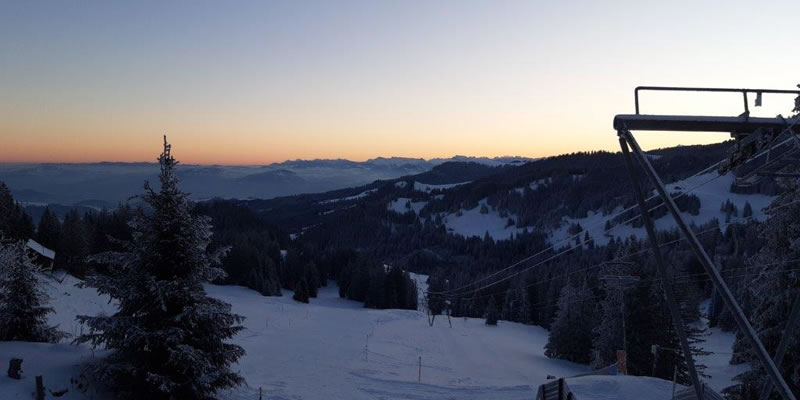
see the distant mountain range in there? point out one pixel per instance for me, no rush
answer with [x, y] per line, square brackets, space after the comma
[105, 184]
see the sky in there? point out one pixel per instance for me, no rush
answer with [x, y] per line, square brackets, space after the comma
[255, 82]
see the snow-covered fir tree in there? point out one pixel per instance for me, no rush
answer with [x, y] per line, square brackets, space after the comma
[608, 332]
[168, 337]
[771, 295]
[301, 291]
[571, 332]
[23, 303]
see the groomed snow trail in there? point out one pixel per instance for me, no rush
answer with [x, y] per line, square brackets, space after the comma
[336, 349]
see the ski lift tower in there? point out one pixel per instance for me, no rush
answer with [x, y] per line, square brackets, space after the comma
[752, 135]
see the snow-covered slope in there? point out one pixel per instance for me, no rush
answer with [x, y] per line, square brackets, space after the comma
[711, 194]
[474, 223]
[402, 205]
[58, 364]
[329, 349]
[334, 348]
[427, 188]
[720, 344]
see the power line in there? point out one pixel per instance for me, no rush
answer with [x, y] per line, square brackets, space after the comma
[449, 293]
[583, 230]
[642, 251]
[569, 238]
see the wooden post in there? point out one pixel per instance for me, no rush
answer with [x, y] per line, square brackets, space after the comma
[622, 362]
[560, 388]
[420, 369]
[39, 388]
[259, 393]
[14, 368]
[448, 317]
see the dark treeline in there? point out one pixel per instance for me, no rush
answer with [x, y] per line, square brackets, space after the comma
[254, 259]
[264, 258]
[15, 223]
[261, 256]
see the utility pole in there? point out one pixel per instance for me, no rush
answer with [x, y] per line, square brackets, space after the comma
[620, 282]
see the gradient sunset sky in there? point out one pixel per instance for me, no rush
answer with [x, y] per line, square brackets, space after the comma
[240, 82]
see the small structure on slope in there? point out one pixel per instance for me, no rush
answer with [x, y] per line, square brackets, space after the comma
[42, 256]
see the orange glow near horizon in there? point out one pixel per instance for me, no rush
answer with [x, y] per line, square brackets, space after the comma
[250, 83]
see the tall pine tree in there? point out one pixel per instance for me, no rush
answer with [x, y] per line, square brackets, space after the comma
[168, 337]
[49, 230]
[73, 246]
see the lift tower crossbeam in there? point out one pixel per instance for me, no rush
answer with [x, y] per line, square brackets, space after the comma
[739, 127]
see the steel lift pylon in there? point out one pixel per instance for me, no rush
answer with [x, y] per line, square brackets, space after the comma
[752, 134]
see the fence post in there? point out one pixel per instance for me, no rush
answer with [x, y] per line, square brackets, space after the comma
[560, 388]
[420, 369]
[39, 388]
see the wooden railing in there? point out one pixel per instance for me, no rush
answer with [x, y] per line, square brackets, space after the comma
[555, 390]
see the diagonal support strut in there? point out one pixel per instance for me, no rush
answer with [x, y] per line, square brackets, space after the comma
[663, 272]
[741, 320]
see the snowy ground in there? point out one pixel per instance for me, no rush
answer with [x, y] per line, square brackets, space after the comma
[711, 195]
[720, 371]
[336, 349]
[473, 223]
[402, 205]
[58, 364]
[332, 348]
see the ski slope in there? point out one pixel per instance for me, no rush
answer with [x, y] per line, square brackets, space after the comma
[335, 349]
[330, 349]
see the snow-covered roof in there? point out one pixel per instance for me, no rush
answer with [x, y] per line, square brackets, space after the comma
[43, 251]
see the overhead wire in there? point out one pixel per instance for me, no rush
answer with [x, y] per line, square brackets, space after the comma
[450, 292]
